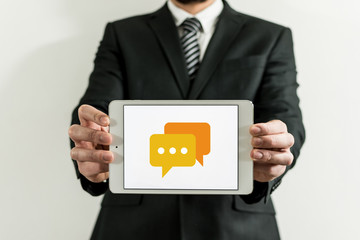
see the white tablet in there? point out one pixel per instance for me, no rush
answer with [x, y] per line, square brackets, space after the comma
[181, 146]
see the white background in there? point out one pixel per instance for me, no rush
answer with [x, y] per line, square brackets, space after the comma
[47, 48]
[220, 168]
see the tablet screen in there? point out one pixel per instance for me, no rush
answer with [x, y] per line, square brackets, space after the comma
[186, 147]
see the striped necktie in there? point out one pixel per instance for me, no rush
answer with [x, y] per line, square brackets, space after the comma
[189, 42]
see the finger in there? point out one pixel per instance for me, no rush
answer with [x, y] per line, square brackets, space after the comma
[79, 133]
[89, 155]
[279, 141]
[88, 113]
[272, 157]
[269, 128]
[100, 177]
[105, 129]
[95, 172]
[267, 172]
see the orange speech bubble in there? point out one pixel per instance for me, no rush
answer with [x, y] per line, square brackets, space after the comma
[201, 132]
[172, 150]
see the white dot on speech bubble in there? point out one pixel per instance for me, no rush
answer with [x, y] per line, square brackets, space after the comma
[161, 150]
[172, 150]
[184, 150]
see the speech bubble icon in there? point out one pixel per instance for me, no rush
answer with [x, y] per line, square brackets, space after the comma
[201, 132]
[172, 150]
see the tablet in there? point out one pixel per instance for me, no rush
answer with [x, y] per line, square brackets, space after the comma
[181, 146]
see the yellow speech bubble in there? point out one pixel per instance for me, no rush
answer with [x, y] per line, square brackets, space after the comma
[172, 150]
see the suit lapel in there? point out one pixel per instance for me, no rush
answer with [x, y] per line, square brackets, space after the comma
[227, 29]
[165, 30]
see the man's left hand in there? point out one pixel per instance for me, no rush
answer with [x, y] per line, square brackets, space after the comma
[271, 149]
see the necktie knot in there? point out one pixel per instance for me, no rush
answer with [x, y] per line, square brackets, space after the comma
[191, 25]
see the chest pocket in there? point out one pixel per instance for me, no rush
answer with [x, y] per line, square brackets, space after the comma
[232, 65]
[239, 78]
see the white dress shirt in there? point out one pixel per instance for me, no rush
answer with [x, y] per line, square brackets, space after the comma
[207, 17]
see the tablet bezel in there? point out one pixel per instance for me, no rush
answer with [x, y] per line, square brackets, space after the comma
[245, 166]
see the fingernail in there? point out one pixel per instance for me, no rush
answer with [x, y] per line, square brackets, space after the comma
[107, 157]
[256, 130]
[104, 120]
[258, 155]
[258, 141]
[104, 138]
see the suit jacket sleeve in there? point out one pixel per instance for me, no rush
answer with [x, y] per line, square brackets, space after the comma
[105, 85]
[277, 99]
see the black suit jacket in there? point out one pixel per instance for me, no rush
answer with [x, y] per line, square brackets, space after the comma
[247, 58]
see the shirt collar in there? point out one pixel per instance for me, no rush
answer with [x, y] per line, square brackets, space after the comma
[208, 17]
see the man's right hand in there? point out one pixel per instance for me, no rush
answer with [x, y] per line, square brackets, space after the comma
[92, 140]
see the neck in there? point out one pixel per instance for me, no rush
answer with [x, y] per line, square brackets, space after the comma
[194, 7]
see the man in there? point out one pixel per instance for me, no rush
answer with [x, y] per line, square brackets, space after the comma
[238, 57]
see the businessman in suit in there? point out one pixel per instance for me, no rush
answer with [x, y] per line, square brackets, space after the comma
[236, 57]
